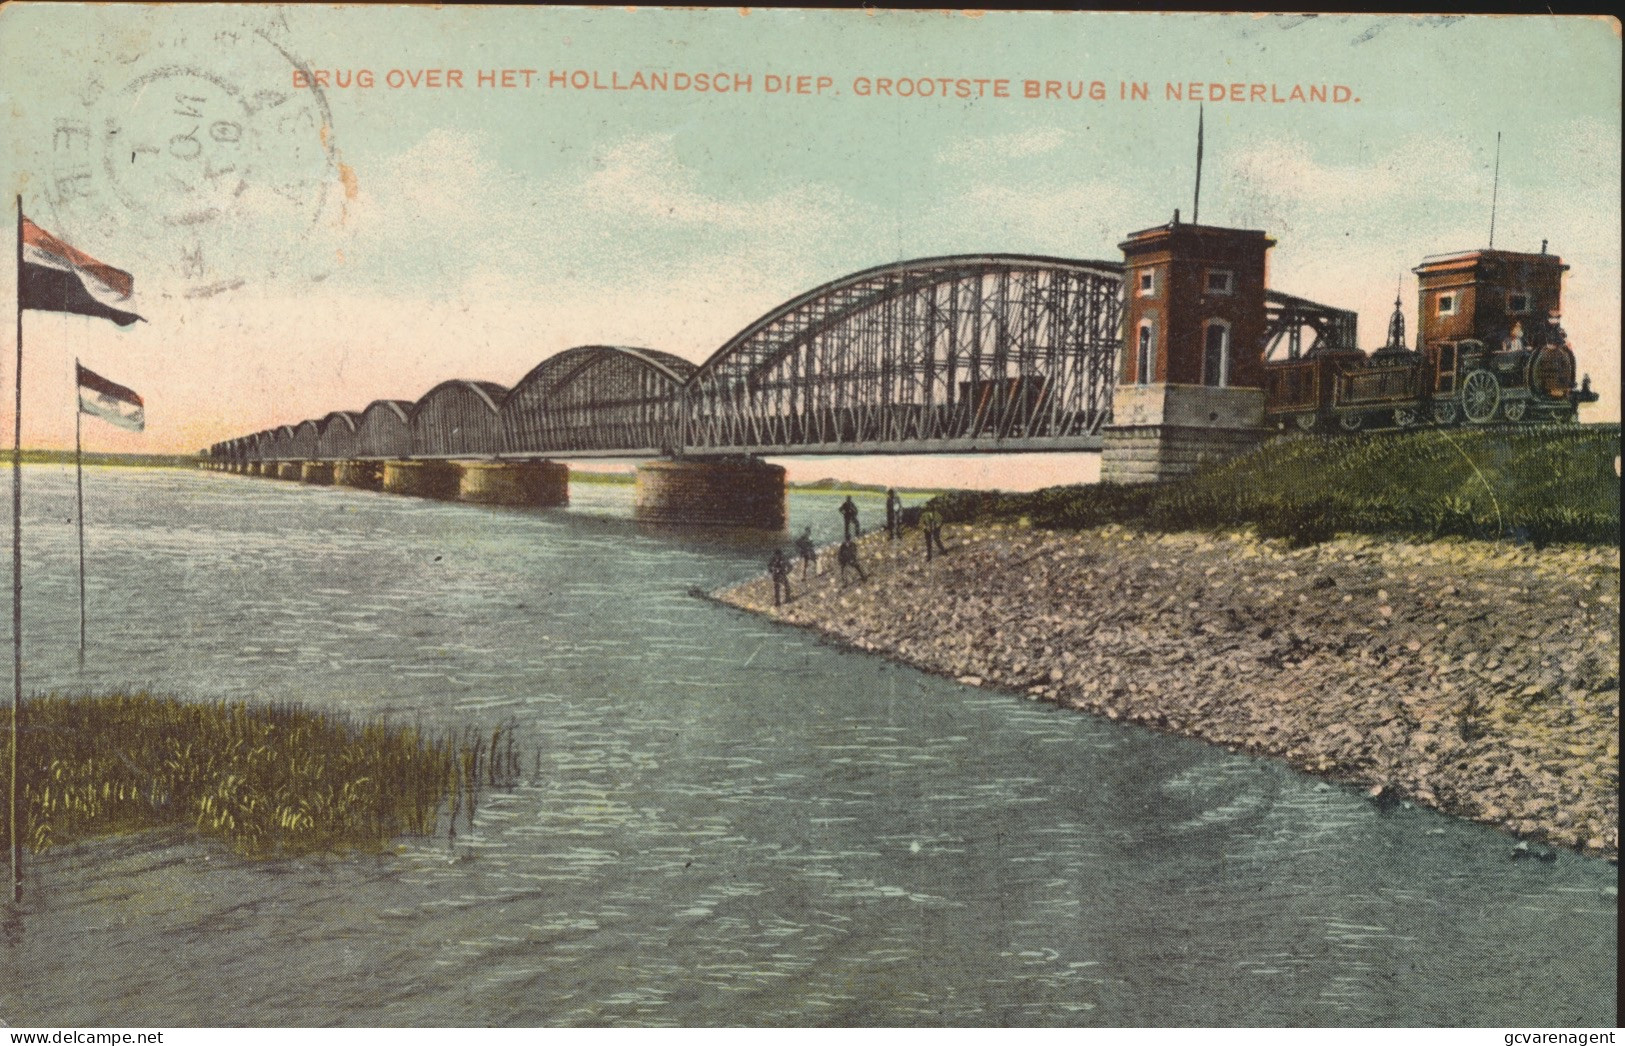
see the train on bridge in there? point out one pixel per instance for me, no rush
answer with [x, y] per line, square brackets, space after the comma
[1490, 349]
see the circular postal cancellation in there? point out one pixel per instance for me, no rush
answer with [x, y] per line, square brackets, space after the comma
[189, 145]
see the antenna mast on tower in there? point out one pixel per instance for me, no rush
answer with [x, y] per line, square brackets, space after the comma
[1196, 202]
[1496, 190]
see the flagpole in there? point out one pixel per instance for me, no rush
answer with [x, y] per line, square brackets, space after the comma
[79, 481]
[1196, 197]
[17, 578]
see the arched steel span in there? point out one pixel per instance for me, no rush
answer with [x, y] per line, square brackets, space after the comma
[303, 445]
[607, 399]
[335, 438]
[993, 352]
[279, 445]
[458, 418]
[970, 352]
[383, 430]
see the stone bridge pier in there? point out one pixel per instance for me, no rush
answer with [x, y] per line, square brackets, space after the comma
[727, 492]
[539, 483]
[363, 475]
[423, 479]
[317, 472]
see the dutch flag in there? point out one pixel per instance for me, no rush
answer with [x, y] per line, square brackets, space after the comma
[58, 278]
[110, 401]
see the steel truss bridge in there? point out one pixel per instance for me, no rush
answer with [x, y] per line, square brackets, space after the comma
[990, 352]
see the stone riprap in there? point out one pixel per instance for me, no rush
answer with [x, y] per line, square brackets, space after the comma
[1477, 678]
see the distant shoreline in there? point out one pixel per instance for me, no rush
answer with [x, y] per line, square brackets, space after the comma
[65, 457]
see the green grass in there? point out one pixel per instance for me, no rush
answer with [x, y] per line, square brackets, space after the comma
[609, 478]
[1539, 484]
[817, 486]
[266, 780]
[841, 486]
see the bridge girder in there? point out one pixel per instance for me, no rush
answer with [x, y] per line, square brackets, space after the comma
[335, 438]
[969, 351]
[303, 445]
[458, 418]
[596, 399]
[384, 431]
[1287, 316]
[279, 443]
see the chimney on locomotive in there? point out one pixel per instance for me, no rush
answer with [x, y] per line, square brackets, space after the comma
[1396, 328]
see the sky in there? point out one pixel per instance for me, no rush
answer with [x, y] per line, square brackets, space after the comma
[299, 250]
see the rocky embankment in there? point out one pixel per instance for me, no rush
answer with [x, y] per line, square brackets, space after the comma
[1477, 678]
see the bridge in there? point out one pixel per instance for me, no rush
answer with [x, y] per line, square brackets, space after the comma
[977, 353]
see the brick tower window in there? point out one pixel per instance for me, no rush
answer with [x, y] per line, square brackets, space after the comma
[1219, 281]
[1148, 284]
[1142, 356]
[1447, 305]
[1517, 302]
[1216, 354]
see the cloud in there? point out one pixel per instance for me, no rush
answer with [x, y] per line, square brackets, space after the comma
[1078, 219]
[1282, 176]
[632, 217]
[992, 149]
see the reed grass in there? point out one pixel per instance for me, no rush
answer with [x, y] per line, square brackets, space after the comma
[266, 779]
[1534, 483]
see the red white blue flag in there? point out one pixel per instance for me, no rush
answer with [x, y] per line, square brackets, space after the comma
[110, 401]
[58, 278]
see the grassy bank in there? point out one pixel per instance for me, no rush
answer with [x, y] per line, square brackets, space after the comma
[817, 486]
[839, 486]
[608, 478]
[264, 779]
[1539, 484]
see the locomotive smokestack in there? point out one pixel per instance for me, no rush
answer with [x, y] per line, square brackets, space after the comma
[1396, 323]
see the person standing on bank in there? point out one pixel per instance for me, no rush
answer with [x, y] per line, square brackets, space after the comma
[931, 527]
[779, 567]
[849, 516]
[894, 515]
[848, 557]
[808, 551]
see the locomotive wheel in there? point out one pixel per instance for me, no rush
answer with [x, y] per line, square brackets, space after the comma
[1305, 422]
[1480, 395]
[1444, 413]
[1404, 417]
[1351, 422]
[1514, 410]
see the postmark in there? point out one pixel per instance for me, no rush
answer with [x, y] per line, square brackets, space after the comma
[198, 156]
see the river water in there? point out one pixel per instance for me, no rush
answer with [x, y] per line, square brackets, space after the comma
[723, 821]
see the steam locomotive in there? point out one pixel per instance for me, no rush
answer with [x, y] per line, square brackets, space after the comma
[1489, 349]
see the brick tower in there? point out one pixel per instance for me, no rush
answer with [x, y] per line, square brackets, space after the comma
[1190, 383]
[1500, 298]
